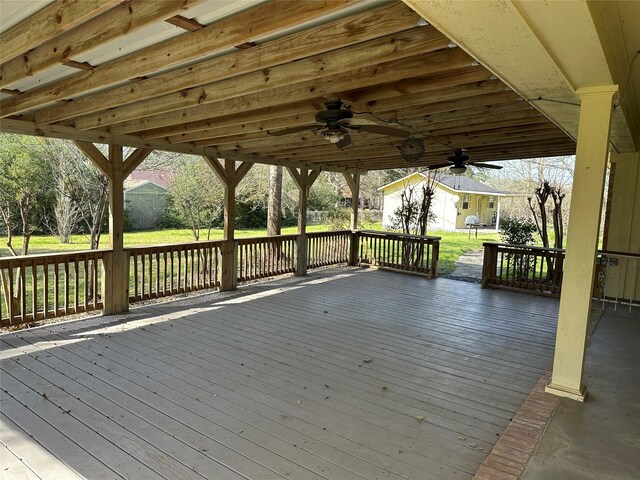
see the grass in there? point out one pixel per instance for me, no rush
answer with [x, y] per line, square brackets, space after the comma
[50, 243]
[452, 244]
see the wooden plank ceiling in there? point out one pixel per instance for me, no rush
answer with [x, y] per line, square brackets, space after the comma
[219, 88]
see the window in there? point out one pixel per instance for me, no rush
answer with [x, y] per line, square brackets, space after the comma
[465, 201]
[491, 202]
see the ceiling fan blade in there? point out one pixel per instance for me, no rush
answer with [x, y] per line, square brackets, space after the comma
[381, 130]
[485, 165]
[290, 130]
[439, 165]
[344, 142]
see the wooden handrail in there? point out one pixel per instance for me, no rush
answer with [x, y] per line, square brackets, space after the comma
[523, 247]
[247, 240]
[164, 246]
[398, 235]
[40, 258]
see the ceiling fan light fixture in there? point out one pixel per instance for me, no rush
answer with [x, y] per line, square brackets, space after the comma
[412, 149]
[458, 170]
[334, 136]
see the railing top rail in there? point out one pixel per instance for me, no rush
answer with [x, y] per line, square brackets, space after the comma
[523, 247]
[398, 235]
[328, 232]
[203, 243]
[52, 255]
[244, 240]
[619, 254]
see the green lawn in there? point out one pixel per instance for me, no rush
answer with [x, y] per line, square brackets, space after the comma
[452, 245]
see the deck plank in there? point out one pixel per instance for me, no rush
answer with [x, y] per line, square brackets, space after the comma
[270, 382]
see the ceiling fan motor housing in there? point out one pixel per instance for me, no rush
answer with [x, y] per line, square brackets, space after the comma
[333, 114]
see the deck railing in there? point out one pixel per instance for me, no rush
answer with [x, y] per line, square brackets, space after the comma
[617, 279]
[37, 287]
[262, 257]
[520, 267]
[163, 270]
[328, 248]
[407, 253]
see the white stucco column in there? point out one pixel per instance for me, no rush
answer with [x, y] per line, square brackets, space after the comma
[498, 215]
[582, 241]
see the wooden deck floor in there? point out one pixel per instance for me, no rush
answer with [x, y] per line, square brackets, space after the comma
[326, 377]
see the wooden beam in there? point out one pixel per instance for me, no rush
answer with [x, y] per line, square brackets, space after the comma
[185, 23]
[312, 177]
[217, 168]
[77, 65]
[135, 159]
[296, 177]
[109, 26]
[238, 119]
[119, 21]
[96, 157]
[241, 172]
[365, 26]
[257, 22]
[443, 60]
[48, 23]
[354, 185]
[310, 69]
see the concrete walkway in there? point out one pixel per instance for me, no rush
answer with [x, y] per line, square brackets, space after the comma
[600, 439]
[469, 267]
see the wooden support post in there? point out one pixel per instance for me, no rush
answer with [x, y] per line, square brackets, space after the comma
[435, 256]
[229, 279]
[115, 286]
[230, 178]
[304, 180]
[115, 265]
[354, 185]
[582, 241]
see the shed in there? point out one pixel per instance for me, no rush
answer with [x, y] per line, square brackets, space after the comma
[145, 203]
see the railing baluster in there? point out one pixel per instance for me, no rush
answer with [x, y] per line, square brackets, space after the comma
[45, 288]
[66, 288]
[76, 286]
[34, 287]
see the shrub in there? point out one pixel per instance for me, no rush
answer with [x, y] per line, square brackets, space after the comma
[517, 231]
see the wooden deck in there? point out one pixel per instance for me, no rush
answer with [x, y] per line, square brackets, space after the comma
[325, 377]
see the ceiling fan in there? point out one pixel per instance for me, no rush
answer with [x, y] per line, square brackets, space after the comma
[335, 123]
[458, 163]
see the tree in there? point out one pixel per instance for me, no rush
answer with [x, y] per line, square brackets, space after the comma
[25, 187]
[198, 196]
[274, 214]
[414, 215]
[540, 215]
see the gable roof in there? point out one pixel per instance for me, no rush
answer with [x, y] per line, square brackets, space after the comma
[467, 185]
[131, 184]
[458, 183]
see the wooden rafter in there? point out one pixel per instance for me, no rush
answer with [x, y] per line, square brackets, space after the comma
[202, 92]
[51, 21]
[263, 20]
[209, 74]
[118, 21]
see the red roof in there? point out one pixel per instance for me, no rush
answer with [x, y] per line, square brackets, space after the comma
[159, 177]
